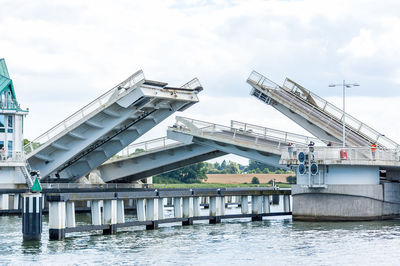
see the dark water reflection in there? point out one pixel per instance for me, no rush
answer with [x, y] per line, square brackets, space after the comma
[275, 241]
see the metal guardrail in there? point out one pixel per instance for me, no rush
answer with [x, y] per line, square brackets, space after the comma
[146, 146]
[15, 156]
[320, 104]
[96, 104]
[353, 154]
[240, 130]
[191, 85]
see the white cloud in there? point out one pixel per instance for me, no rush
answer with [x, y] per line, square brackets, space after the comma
[63, 54]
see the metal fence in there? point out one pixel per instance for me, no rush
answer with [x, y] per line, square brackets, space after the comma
[98, 103]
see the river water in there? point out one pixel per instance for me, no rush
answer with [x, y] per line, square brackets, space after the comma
[273, 241]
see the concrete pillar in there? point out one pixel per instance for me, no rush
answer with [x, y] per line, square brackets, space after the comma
[16, 202]
[56, 220]
[178, 207]
[110, 216]
[120, 212]
[286, 203]
[215, 210]
[245, 204]
[187, 208]
[88, 202]
[266, 205]
[222, 202]
[161, 202]
[4, 201]
[256, 208]
[70, 215]
[196, 206]
[95, 211]
[131, 203]
[152, 213]
[141, 209]
[31, 216]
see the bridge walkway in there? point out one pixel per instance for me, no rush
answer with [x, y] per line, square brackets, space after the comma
[315, 114]
[251, 141]
[157, 156]
[105, 126]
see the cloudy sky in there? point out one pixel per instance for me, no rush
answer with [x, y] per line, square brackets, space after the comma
[63, 54]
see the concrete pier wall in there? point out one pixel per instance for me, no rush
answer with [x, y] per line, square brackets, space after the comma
[346, 202]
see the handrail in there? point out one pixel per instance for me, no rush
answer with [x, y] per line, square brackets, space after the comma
[145, 146]
[192, 84]
[99, 102]
[318, 103]
[282, 137]
[345, 154]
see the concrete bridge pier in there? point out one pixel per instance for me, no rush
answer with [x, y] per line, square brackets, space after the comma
[178, 207]
[244, 204]
[256, 207]
[70, 215]
[31, 216]
[161, 204]
[196, 206]
[110, 216]
[56, 219]
[95, 211]
[266, 204]
[187, 208]
[286, 203]
[120, 211]
[4, 201]
[141, 209]
[215, 210]
[152, 213]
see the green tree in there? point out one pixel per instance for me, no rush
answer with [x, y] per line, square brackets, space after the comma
[255, 180]
[189, 174]
[291, 179]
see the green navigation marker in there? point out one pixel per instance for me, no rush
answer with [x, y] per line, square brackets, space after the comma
[36, 186]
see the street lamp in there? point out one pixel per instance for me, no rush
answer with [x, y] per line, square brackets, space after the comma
[345, 85]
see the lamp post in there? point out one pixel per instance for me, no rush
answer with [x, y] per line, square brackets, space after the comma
[344, 85]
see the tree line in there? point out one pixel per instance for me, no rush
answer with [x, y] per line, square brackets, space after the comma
[196, 173]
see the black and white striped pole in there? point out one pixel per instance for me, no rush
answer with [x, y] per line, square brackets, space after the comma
[32, 216]
[32, 213]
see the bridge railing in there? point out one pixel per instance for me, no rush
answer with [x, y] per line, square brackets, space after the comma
[244, 132]
[348, 154]
[98, 103]
[318, 104]
[145, 146]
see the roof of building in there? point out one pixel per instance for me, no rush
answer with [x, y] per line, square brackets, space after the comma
[7, 84]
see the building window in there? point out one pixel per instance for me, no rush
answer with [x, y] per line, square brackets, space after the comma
[10, 148]
[10, 124]
[2, 123]
[1, 144]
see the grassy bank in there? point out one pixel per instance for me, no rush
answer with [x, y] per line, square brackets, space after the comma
[216, 185]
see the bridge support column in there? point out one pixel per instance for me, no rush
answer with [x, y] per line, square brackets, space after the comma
[266, 205]
[222, 202]
[152, 213]
[57, 220]
[110, 216]
[215, 210]
[286, 203]
[31, 216]
[188, 210]
[95, 212]
[70, 215]
[120, 211]
[256, 208]
[178, 207]
[4, 201]
[161, 203]
[244, 203]
[141, 209]
[196, 206]
[16, 202]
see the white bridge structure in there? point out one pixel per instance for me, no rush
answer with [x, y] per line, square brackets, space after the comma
[92, 135]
